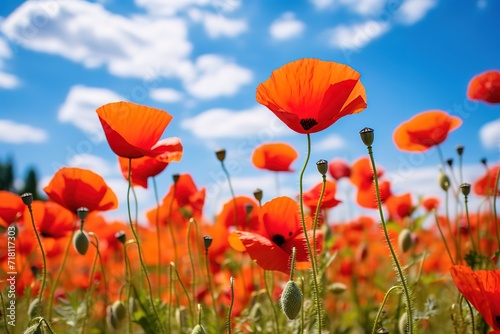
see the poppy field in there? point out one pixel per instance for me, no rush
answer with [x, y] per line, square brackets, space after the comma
[284, 265]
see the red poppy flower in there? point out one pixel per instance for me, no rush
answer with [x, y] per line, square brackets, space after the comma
[430, 203]
[362, 173]
[11, 208]
[399, 206]
[482, 290]
[311, 197]
[425, 130]
[276, 157]
[76, 187]
[51, 219]
[367, 198]
[281, 231]
[486, 184]
[142, 169]
[309, 95]
[134, 130]
[485, 87]
[247, 214]
[338, 169]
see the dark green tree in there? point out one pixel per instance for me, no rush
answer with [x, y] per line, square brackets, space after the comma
[7, 175]
[31, 184]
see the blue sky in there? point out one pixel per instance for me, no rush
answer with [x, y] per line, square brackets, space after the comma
[201, 60]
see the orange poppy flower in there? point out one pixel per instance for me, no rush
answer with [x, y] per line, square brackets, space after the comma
[482, 290]
[309, 95]
[276, 157]
[134, 130]
[51, 219]
[485, 87]
[362, 173]
[142, 169]
[247, 214]
[311, 197]
[76, 187]
[338, 169]
[367, 198]
[430, 203]
[425, 130]
[11, 208]
[399, 206]
[272, 247]
[188, 196]
[486, 184]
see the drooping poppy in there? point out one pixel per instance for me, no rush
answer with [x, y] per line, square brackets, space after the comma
[11, 208]
[142, 169]
[311, 197]
[276, 157]
[271, 249]
[399, 206]
[309, 95]
[74, 187]
[425, 130]
[482, 290]
[134, 130]
[51, 219]
[339, 168]
[485, 87]
[485, 185]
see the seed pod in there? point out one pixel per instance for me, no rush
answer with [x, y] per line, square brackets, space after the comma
[291, 300]
[405, 241]
[337, 288]
[81, 242]
[198, 329]
[118, 310]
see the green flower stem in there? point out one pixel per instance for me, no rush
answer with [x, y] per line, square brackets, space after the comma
[232, 192]
[456, 240]
[318, 208]
[302, 321]
[199, 314]
[495, 217]
[128, 273]
[211, 288]
[442, 237]
[158, 239]
[59, 272]
[271, 301]
[379, 313]
[400, 273]
[44, 269]
[89, 290]
[228, 321]
[309, 249]
[191, 260]
[473, 322]
[466, 201]
[170, 294]
[143, 266]
[172, 265]
[170, 227]
[292, 266]
[104, 280]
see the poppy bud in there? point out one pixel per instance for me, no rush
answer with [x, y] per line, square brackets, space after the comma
[367, 136]
[120, 236]
[198, 329]
[382, 330]
[207, 241]
[175, 177]
[337, 288]
[221, 154]
[82, 213]
[257, 193]
[403, 323]
[405, 241]
[484, 162]
[27, 198]
[460, 150]
[465, 187]
[444, 181]
[322, 166]
[81, 242]
[291, 300]
[449, 162]
[118, 310]
[33, 308]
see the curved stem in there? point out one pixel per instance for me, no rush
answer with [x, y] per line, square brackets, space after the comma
[89, 290]
[381, 308]
[96, 245]
[228, 321]
[400, 273]
[191, 260]
[473, 322]
[44, 269]
[143, 266]
[443, 237]
[318, 208]
[304, 228]
[172, 265]
[158, 239]
[128, 273]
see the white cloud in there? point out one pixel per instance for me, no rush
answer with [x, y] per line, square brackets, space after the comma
[86, 33]
[331, 142]
[8, 81]
[322, 4]
[80, 106]
[482, 4]
[220, 26]
[356, 36]
[5, 51]
[214, 76]
[412, 11]
[165, 95]
[17, 133]
[286, 27]
[225, 123]
[361, 7]
[94, 163]
[170, 8]
[490, 134]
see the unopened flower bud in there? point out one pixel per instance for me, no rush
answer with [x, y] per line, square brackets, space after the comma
[120, 236]
[382, 330]
[460, 150]
[198, 329]
[82, 213]
[465, 187]
[337, 288]
[175, 177]
[405, 241]
[449, 162]
[118, 310]
[27, 198]
[291, 300]
[322, 166]
[257, 193]
[81, 242]
[207, 241]
[444, 181]
[403, 323]
[367, 136]
[33, 308]
[484, 162]
[221, 154]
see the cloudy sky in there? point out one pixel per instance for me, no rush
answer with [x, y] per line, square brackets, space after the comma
[201, 60]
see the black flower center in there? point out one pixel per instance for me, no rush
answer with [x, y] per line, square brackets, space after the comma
[308, 123]
[278, 239]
